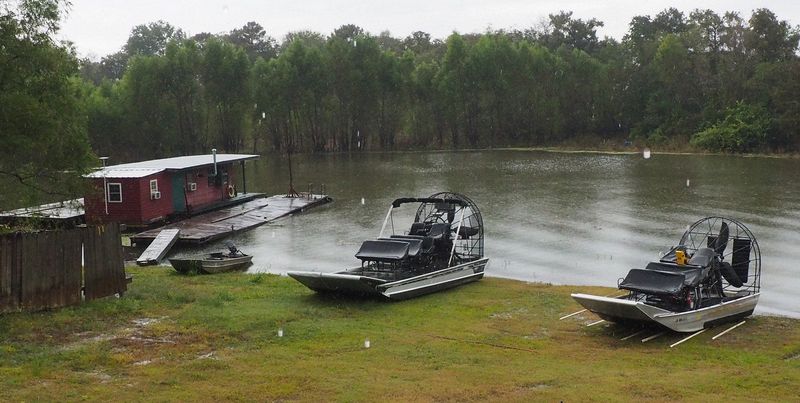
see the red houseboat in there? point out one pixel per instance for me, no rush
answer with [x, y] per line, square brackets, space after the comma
[147, 192]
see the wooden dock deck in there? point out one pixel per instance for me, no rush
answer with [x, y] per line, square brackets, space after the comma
[227, 221]
[159, 247]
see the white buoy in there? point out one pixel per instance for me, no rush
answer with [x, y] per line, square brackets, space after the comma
[366, 343]
[280, 332]
[362, 201]
[646, 153]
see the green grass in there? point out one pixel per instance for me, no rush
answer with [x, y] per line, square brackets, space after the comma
[215, 338]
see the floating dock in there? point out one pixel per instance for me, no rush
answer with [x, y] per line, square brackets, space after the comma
[159, 247]
[227, 221]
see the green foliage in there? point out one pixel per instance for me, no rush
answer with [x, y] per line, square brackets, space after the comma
[43, 126]
[744, 129]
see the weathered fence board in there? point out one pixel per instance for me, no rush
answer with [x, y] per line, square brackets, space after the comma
[104, 273]
[45, 270]
[9, 274]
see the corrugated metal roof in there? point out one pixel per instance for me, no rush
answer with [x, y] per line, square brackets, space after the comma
[147, 168]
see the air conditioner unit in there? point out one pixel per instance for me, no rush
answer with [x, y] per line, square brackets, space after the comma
[192, 186]
[155, 195]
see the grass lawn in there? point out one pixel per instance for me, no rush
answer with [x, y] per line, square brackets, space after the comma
[215, 338]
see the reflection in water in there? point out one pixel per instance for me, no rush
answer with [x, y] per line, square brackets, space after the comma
[553, 217]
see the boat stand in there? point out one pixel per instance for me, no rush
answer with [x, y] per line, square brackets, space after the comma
[728, 330]
[633, 335]
[596, 323]
[572, 314]
[687, 338]
[646, 339]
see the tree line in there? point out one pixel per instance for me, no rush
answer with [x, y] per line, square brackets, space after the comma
[716, 82]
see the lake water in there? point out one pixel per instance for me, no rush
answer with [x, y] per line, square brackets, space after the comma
[563, 218]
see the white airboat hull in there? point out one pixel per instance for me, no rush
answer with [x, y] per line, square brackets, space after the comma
[623, 310]
[397, 290]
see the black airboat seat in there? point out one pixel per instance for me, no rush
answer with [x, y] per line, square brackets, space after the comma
[693, 275]
[435, 231]
[426, 242]
[439, 230]
[383, 251]
[663, 278]
[414, 244]
[417, 228]
[653, 282]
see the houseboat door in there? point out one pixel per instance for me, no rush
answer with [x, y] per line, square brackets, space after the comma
[178, 192]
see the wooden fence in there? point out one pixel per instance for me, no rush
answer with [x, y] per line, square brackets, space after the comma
[50, 269]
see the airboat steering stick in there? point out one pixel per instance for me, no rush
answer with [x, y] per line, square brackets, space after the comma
[458, 231]
[385, 220]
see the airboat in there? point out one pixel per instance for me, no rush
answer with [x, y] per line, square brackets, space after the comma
[442, 248]
[713, 276]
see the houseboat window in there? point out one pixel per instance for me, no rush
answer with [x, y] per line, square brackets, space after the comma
[114, 193]
[153, 186]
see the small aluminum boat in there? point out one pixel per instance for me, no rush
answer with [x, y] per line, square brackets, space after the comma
[442, 249]
[704, 281]
[217, 262]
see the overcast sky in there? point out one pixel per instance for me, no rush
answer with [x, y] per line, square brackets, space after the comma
[100, 27]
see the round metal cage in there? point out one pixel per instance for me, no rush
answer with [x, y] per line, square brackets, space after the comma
[469, 239]
[741, 250]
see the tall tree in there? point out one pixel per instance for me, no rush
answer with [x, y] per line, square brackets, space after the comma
[225, 74]
[152, 39]
[254, 40]
[42, 122]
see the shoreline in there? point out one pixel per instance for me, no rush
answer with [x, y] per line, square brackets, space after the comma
[551, 149]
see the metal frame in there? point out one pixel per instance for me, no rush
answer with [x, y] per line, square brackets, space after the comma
[464, 248]
[696, 236]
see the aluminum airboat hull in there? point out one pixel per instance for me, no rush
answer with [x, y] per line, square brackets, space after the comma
[624, 310]
[348, 283]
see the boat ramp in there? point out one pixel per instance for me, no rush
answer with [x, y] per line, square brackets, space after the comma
[227, 221]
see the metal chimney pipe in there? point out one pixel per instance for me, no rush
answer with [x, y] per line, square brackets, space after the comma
[214, 154]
